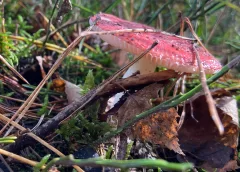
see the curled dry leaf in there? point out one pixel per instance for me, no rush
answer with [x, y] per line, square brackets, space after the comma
[200, 140]
[160, 128]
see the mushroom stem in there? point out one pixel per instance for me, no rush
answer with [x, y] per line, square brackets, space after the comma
[144, 66]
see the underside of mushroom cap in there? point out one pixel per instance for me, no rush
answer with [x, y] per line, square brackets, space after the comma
[172, 52]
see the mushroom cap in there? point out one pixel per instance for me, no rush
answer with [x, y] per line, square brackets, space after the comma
[172, 52]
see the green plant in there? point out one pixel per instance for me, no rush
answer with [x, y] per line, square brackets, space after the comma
[10, 139]
[85, 127]
[11, 50]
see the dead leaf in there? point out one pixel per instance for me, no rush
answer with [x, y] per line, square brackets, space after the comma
[200, 140]
[160, 128]
[137, 103]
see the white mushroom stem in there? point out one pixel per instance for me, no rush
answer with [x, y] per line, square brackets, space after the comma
[144, 66]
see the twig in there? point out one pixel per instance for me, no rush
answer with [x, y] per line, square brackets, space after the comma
[202, 75]
[12, 69]
[209, 99]
[137, 163]
[50, 23]
[183, 114]
[194, 34]
[13, 84]
[19, 158]
[18, 100]
[136, 81]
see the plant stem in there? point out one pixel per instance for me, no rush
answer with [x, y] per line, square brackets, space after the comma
[69, 160]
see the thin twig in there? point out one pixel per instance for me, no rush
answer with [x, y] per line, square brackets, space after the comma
[194, 34]
[211, 104]
[12, 69]
[19, 158]
[202, 75]
[18, 100]
[49, 23]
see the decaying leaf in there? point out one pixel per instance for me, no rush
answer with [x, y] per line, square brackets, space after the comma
[199, 137]
[160, 128]
[137, 103]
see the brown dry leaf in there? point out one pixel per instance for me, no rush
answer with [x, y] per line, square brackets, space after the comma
[137, 103]
[201, 141]
[160, 128]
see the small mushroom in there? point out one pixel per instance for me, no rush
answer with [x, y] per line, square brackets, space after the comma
[173, 52]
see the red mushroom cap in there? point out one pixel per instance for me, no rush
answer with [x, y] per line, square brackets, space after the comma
[172, 52]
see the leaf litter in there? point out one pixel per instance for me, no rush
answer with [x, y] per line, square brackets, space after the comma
[198, 140]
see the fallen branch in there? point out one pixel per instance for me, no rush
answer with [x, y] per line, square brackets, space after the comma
[136, 81]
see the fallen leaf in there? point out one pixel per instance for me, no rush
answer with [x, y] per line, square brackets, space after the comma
[199, 137]
[137, 103]
[160, 128]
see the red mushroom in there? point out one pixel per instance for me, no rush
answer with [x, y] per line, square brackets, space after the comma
[173, 52]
